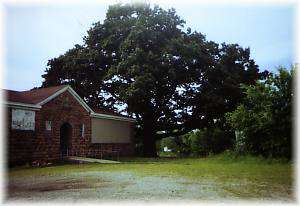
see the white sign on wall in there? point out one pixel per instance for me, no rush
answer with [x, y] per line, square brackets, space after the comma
[22, 119]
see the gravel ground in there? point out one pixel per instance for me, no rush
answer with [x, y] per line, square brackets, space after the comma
[115, 186]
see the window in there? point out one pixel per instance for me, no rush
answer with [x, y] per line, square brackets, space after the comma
[48, 125]
[82, 130]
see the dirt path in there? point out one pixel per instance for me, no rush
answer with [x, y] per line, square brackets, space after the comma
[114, 186]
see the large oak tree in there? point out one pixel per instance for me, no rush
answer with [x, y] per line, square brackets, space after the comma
[169, 78]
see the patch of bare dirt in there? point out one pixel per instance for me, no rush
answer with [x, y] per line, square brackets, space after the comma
[64, 184]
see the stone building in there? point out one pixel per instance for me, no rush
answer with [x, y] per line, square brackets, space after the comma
[51, 123]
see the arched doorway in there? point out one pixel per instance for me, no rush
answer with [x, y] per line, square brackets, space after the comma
[65, 138]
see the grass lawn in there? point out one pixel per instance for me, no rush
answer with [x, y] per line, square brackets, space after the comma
[242, 178]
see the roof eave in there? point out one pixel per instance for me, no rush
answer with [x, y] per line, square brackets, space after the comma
[112, 117]
[22, 105]
[39, 105]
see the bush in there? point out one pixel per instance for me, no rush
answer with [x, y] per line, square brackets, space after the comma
[202, 142]
[263, 121]
[167, 142]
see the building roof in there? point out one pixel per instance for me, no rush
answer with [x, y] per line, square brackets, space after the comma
[33, 96]
[108, 112]
[37, 97]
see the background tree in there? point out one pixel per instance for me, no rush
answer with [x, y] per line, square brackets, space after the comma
[168, 78]
[217, 89]
[84, 69]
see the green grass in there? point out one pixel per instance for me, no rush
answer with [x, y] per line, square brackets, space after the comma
[244, 176]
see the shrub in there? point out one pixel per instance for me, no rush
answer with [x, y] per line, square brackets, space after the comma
[202, 142]
[264, 118]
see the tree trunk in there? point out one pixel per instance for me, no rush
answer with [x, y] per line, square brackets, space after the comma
[149, 140]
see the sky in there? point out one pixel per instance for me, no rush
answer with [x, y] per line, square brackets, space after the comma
[35, 33]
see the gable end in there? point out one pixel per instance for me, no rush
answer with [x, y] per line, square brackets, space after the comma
[73, 93]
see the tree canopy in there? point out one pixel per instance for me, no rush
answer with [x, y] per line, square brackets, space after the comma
[143, 59]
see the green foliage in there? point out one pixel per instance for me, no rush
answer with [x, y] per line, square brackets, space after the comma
[202, 142]
[231, 156]
[194, 143]
[168, 78]
[82, 68]
[168, 142]
[263, 121]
